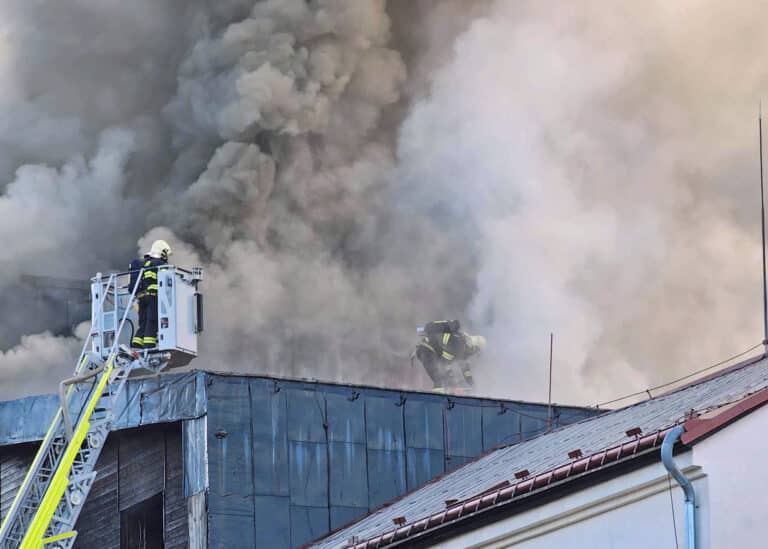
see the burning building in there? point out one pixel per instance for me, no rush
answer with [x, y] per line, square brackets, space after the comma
[202, 459]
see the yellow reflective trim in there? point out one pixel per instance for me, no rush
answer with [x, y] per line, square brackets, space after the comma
[150, 274]
[34, 536]
[150, 340]
[65, 535]
[448, 356]
[467, 373]
[40, 453]
[34, 463]
[152, 287]
[80, 366]
[446, 338]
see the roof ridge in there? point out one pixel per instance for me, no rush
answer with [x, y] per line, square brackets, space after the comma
[716, 374]
[344, 385]
[709, 377]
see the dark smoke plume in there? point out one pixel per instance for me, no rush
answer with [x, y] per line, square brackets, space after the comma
[346, 170]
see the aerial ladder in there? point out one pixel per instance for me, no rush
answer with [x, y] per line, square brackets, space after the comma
[48, 503]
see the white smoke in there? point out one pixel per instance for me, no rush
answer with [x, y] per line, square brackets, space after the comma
[347, 170]
[36, 357]
[603, 161]
[77, 207]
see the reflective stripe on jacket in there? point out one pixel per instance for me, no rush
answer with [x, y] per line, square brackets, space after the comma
[149, 278]
[446, 346]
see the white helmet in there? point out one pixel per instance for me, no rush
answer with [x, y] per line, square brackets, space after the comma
[160, 250]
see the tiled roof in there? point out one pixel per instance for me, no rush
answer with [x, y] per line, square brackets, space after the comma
[551, 450]
[509, 492]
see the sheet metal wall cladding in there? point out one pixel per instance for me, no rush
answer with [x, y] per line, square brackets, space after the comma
[253, 461]
[145, 401]
[289, 461]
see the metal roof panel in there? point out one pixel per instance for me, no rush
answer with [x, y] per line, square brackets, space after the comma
[550, 450]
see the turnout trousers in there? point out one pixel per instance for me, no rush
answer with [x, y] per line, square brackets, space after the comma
[432, 365]
[146, 335]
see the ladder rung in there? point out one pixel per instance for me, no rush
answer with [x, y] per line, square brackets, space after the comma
[96, 399]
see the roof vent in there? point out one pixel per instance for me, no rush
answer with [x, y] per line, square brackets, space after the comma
[399, 521]
[634, 431]
[520, 475]
[575, 454]
[451, 502]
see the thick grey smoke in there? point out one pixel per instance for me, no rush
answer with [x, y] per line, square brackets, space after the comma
[36, 362]
[346, 170]
[292, 96]
[251, 130]
[602, 159]
[84, 85]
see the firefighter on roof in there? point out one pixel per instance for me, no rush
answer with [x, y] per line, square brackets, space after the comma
[146, 335]
[444, 344]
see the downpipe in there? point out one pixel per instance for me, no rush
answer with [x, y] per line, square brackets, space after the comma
[690, 495]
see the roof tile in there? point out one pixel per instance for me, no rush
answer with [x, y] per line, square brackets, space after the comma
[546, 453]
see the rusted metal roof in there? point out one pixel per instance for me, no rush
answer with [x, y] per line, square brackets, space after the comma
[601, 439]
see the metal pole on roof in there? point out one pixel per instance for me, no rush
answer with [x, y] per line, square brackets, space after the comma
[762, 227]
[549, 397]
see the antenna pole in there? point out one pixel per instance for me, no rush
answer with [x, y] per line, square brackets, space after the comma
[549, 397]
[762, 229]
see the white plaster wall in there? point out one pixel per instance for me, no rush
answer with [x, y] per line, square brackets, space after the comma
[632, 511]
[735, 459]
[646, 523]
[730, 477]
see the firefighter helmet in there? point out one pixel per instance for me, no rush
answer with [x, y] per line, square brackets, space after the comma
[160, 250]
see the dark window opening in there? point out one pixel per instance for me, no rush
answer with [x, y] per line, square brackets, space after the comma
[141, 525]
